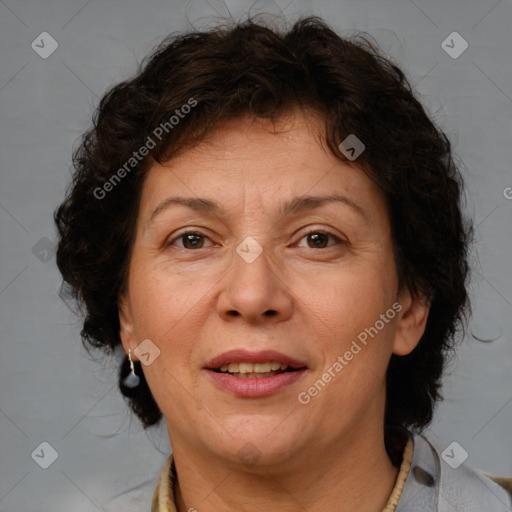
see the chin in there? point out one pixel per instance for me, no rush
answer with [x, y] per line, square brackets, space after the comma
[258, 441]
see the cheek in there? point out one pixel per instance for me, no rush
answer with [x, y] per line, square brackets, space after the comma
[164, 316]
[349, 306]
[163, 298]
[170, 310]
[354, 348]
[350, 299]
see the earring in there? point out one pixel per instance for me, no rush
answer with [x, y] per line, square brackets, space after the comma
[132, 380]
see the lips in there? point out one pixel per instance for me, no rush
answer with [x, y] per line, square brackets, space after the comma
[244, 374]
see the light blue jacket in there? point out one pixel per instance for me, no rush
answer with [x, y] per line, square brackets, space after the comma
[432, 485]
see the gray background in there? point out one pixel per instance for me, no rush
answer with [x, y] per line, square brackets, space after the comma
[51, 391]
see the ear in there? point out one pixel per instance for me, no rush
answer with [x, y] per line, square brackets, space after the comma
[126, 328]
[411, 322]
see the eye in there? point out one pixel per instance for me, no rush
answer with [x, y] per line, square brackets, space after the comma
[195, 240]
[319, 238]
[191, 240]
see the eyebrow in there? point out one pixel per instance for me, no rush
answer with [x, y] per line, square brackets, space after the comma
[298, 204]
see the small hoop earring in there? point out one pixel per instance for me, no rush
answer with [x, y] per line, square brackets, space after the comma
[132, 380]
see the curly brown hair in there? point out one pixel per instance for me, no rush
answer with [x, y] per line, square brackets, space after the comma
[250, 68]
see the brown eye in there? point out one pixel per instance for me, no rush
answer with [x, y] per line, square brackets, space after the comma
[190, 240]
[319, 239]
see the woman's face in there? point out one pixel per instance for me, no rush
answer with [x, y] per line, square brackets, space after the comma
[252, 280]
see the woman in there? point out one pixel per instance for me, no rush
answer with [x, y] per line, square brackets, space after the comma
[270, 225]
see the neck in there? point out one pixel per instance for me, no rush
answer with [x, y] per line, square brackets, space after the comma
[353, 475]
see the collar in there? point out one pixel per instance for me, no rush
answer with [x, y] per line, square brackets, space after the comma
[441, 483]
[163, 496]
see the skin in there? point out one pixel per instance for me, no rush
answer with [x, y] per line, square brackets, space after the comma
[322, 296]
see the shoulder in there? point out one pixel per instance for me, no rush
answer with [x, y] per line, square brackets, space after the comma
[131, 500]
[141, 495]
[435, 485]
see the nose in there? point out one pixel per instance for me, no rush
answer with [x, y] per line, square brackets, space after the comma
[256, 291]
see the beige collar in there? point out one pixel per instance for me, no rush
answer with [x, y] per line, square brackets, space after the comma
[163, 496]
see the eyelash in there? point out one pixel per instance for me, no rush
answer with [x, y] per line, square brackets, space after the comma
[315, 231]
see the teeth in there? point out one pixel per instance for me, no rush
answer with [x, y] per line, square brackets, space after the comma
[253, 368]
[254, 375]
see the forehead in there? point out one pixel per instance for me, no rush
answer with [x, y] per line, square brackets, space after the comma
[251, 164]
